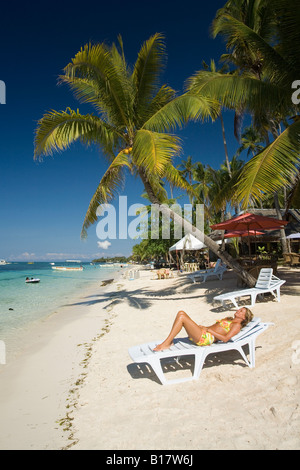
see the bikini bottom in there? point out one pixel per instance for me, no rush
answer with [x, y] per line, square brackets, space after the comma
[206, 340]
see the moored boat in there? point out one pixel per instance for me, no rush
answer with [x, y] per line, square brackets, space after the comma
[32, 280]
[67, 268]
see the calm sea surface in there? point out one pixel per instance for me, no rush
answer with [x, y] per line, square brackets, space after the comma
[21, 303]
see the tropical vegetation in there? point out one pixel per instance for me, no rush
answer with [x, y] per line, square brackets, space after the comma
[263, 44]
[136, 117]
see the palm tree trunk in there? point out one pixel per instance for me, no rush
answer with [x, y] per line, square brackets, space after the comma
[189, 228]
[225, 145]
[282, 231]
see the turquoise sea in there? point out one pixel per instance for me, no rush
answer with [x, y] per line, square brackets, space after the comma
[22, 304]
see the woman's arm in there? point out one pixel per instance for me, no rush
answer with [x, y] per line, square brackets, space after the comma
[234, 330]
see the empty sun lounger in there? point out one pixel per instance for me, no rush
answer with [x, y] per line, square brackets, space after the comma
[184, 347]
[266, 283]
[217, 271]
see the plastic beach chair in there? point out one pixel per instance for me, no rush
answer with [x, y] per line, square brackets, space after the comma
[265, 283]
[184, 347]
[202, 275]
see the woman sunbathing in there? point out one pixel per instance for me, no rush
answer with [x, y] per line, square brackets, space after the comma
[204, 336]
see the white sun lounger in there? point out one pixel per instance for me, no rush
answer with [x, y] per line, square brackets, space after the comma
[202, 275]
[184, 347]
[265, 283]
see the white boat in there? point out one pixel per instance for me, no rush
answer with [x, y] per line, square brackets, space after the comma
[3, 262]
[67, 268]
[32, 281]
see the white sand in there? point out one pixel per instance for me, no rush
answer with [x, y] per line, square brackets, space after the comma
[106, 402]
[36, 386]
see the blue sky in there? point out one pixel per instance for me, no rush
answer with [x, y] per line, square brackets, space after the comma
[43, 204]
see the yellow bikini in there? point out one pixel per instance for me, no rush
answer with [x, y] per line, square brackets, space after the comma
[225, 324]
[207, 338]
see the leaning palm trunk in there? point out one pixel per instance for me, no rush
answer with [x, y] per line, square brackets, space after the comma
[213, 246]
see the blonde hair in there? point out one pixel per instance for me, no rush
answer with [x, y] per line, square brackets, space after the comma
[248, 317]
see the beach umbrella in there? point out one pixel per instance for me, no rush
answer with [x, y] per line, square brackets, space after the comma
[248, 221]
[294, 235]
[188, 242]
[240, 233]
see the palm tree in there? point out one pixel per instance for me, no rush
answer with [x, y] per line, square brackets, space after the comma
[251, 141]
[222, 189]
[255, 15]
[201, 186]
[186, 168]
[265, 20]
[135, 117]
[262, 87]
[224, 69]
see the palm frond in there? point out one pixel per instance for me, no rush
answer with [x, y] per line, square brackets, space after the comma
[147, 70]
[98, 75]
[272, 168]
[237, 33]
[174, 176]
[241, 92]
[179, 111]
[153, 150]
[163, 96]
[107, 190]
[288, 31]
[57, 130]
[228, 193]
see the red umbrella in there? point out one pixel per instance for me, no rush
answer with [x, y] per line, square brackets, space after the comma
[249, 222]
[239, 233]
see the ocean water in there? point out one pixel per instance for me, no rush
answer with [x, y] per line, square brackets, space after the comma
[22, 304]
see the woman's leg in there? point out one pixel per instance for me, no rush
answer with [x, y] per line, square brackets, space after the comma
[193, 330]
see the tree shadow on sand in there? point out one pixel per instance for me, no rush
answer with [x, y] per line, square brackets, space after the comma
[144, 297]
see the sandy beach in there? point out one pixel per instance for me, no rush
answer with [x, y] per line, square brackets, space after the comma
[75, 387]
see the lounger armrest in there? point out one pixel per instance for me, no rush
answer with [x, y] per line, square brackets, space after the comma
[276, 282]
[246, 330]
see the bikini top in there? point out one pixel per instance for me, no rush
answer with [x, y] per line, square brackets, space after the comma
[225, 324]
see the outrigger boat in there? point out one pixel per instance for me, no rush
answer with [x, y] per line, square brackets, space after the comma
[67, 268]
